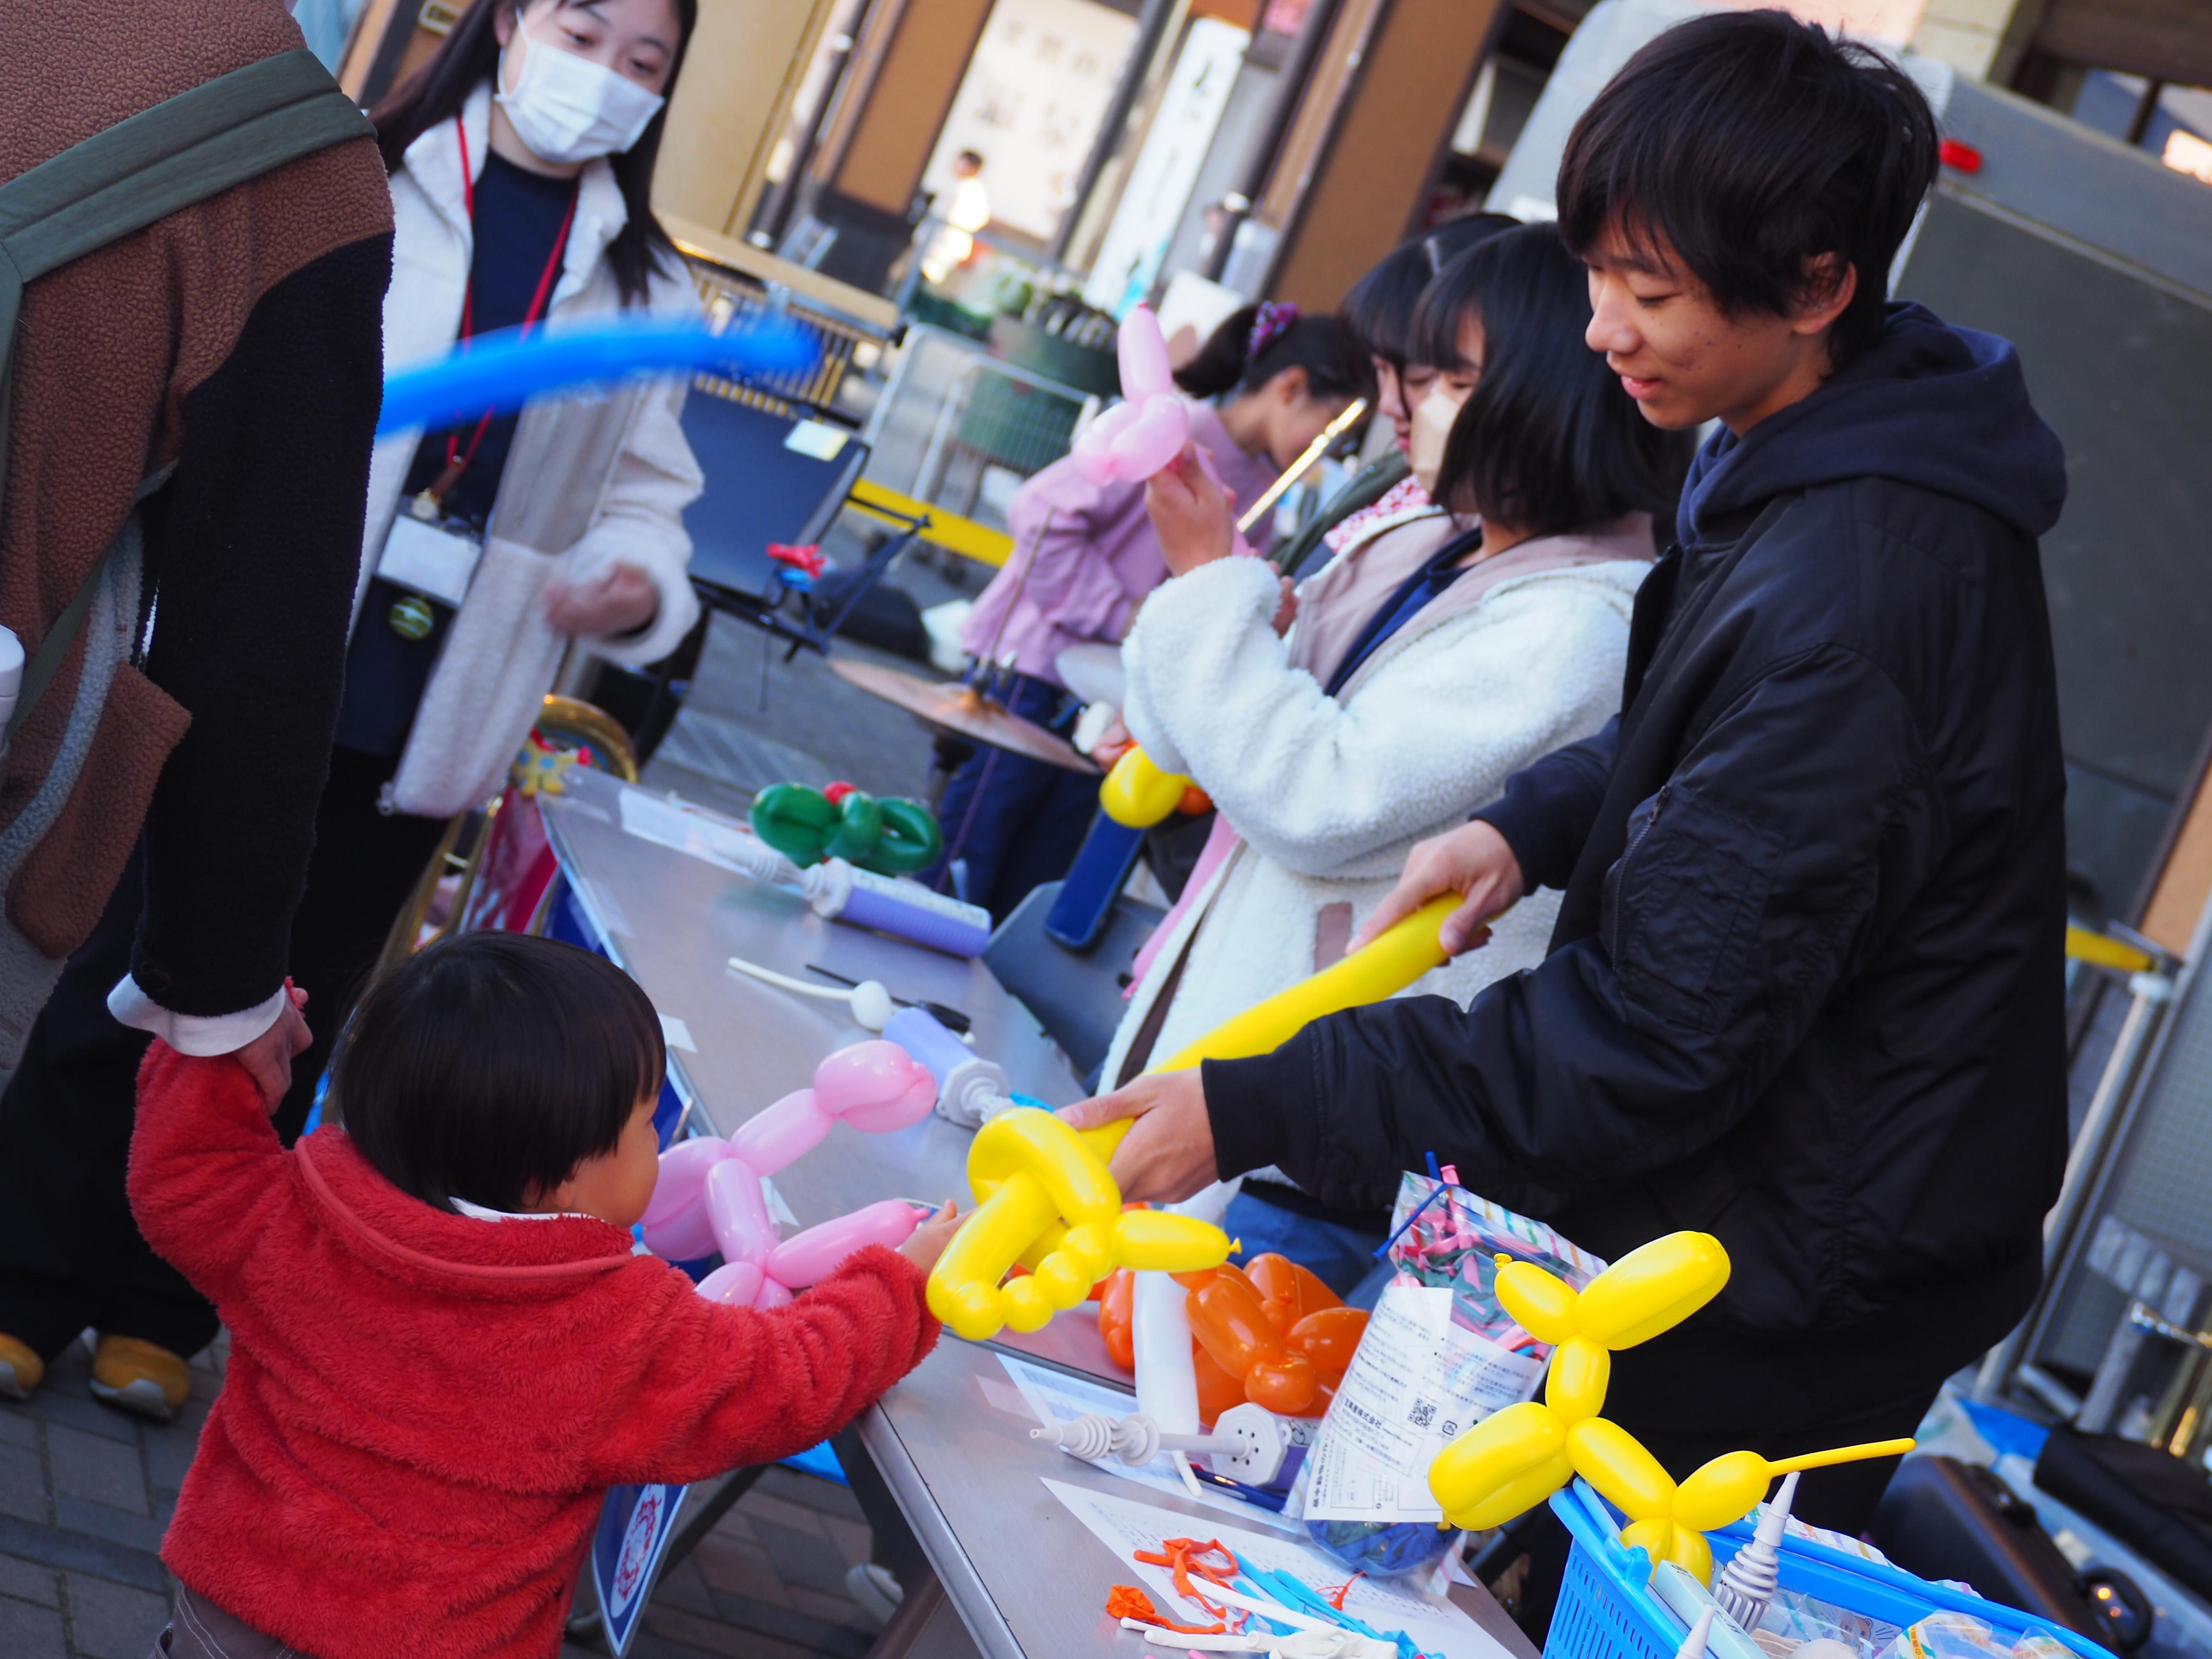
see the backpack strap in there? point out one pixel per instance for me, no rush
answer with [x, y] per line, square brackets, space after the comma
[177, 154]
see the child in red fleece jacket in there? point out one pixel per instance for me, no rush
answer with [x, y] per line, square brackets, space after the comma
[443, 1351]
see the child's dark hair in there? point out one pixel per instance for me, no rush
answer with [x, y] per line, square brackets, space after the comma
[1323, 346]
[1379, 308]
[1548, 442]
[1752, 144]
[490, 1066]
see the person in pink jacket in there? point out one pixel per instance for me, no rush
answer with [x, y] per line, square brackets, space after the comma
[1262, 388]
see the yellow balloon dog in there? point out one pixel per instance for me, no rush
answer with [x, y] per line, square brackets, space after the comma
[1044, 1197]
[1517, 1458]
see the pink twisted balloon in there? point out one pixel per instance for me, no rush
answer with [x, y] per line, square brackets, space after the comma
[1142, 434]
[709, 1198]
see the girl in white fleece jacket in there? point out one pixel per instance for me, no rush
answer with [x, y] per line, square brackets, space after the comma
[1410, 688]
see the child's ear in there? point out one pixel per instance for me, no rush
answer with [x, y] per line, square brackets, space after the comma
[1289, 385]
[1830, 285]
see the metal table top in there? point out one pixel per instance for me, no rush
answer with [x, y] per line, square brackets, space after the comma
[673, 921]
[1024, 1574]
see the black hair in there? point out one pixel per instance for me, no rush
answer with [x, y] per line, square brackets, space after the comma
[973, 157]
[470, 56]
[492, 1065]
[1323, 346]
[1548, 442]
[1751, 144]
[1379, 308]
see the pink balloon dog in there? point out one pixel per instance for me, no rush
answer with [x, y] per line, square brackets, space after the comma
[1140, 435]
[709, 1197]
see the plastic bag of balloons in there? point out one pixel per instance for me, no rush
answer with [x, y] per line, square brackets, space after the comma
[1440, 1320]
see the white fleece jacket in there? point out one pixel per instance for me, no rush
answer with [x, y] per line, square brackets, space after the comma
[633, 505]
[1329, 794]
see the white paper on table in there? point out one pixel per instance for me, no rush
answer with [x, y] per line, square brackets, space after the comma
[667, 823]
[1392, 1415]
[1057, 1398]
[1440, 1630]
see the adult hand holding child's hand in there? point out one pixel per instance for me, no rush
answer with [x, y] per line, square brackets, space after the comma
[268, 1058]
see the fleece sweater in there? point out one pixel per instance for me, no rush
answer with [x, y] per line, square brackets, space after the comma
[423, 1410]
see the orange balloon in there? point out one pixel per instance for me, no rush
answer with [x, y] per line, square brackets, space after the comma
[1217, 1390]
[1289, 1292]
[1327, 1338]
[1230, 1323]
[1117, 1302]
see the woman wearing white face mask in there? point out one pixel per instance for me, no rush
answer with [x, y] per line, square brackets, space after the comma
[1410, 688]
[521, 158]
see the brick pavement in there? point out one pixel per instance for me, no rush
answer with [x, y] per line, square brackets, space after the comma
[85, 1493]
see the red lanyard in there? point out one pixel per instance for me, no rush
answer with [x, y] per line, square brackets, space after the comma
[457, 460]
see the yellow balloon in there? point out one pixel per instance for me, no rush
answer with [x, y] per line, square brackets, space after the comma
[1511, 1461]
[1581, 1369]
[1543, 1302]
[1037, 1180]
[1138, 794]
[1615, 1462]
[1666, 1540]
[1654, 1288]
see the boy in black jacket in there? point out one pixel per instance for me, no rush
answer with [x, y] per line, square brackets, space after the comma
[1804, 991]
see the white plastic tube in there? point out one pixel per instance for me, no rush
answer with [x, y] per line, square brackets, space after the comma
[11, 679]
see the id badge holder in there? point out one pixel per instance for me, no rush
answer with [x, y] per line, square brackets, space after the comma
[434, 558]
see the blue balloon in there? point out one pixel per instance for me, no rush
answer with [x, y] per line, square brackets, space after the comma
[501, 371]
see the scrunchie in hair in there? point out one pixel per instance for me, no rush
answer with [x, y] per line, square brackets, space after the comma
[1274, 320]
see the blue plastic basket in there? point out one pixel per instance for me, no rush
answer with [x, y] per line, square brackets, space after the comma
[1609, 1610]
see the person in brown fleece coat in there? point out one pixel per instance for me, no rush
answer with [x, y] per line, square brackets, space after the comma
[220, 370]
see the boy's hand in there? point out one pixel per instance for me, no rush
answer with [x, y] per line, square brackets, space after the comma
[1473, 861]
[926, 1242]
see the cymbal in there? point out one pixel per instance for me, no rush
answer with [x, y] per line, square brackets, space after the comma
[961, 709]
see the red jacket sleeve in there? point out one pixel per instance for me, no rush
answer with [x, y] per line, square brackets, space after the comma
[205, 1165]
[724, 1386]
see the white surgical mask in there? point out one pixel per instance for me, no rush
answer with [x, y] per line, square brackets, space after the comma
[567, 108]
[1432, 423]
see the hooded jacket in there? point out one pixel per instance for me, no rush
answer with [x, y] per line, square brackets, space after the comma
[423, 1411]
[1804, 990]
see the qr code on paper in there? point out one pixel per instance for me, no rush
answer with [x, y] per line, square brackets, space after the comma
[1423, 1413]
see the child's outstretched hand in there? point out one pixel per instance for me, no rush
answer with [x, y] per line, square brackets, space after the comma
[926, 1242]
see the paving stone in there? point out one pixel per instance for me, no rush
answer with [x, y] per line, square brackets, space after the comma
[170, 1446]
[137, 1532]
[854, 1539]
[50, 1546]
[105, 1471]
[17, 1426]
[738, 1569]
[806, 1558]
[29, 1581]
[64, 1399]
[841, 1610]
[684, 1633]
[113, 1621]
[28, 1632]
[681, 1587]
[809, 1491]
[22, 1484]
[761, 1507]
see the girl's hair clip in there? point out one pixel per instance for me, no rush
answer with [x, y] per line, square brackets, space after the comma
[1274, 319]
